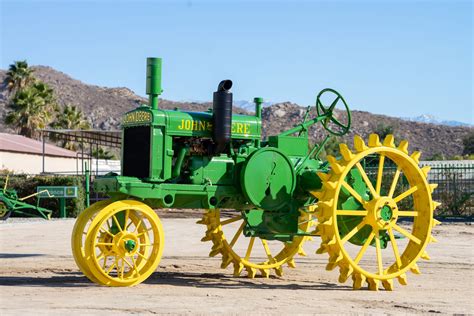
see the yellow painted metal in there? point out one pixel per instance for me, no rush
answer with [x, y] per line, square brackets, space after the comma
[78, 237]
[418, 236]
[130, 255]
[245, 258]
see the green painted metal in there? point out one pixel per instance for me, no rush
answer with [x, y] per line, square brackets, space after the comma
[169, 160]
[130, 245]
[279, 180]
[153, 81]
[10, 203]
[88, 184]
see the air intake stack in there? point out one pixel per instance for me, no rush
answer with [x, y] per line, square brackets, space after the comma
[153, 81]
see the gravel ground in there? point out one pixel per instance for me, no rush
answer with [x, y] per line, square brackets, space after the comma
[39, 276]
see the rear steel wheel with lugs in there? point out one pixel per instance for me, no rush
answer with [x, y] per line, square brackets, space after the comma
[376, 221]
[254, 254]
[124, 243]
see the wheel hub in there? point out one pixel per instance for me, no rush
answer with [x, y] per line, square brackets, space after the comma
[125, 243]
[382, 212]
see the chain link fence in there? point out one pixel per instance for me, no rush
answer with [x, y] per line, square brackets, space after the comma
[455, 189]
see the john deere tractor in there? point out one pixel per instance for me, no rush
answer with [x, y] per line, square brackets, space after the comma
[262, 199]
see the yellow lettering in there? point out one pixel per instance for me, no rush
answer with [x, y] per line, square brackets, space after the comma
[246, 128]
[240, 128]
[202, 126]
[182, 125]
[187, 125]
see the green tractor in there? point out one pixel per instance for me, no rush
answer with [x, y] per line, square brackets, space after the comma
[262, 199]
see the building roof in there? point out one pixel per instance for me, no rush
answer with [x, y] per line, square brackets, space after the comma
[22, 144]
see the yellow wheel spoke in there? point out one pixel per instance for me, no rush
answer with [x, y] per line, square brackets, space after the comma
[379, 252]
[249, 249]
[117, 223]
[364, 247]
[135, 266]
[351, 212]
[138, 225]
[128, 263]
[231, 220]
[353, 192]
[105, 262]
[122, 268]
[102, 229]
[406, 234]
[405, 194]
[396, 253]
[353, 232]
[148, 245]
[267, 250]
[366, 180]
[237, 235]
[394, 183]
[103, 244]
[111, 267]
[378, 184]
[127, 214]
[145, 258]
[407, 213]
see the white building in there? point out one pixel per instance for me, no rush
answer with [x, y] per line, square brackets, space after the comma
[20, 154]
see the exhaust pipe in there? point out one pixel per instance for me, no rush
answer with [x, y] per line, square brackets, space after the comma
[222, 115]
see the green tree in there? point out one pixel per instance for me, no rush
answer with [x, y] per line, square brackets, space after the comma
[383, 130]
[101, 153]
[331, 148]
[19, 76]
[70, 118]
[32, 109]
[468, 143]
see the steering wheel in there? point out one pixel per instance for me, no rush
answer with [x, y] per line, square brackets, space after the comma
[322, 110]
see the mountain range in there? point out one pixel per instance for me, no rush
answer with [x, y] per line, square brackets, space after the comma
[104, 107]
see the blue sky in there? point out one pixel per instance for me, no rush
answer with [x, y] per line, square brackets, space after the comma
[400, 58]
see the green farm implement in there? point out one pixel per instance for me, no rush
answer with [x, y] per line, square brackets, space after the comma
[10, 203]
[276, 192]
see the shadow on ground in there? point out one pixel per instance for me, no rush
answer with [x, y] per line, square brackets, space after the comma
[185, 279]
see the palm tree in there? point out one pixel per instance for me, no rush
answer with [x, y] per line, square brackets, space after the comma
[70, 118]
[32, 109]
[19, 75]
[101, 153]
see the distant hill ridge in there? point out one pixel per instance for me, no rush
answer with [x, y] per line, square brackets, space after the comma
[104, 107]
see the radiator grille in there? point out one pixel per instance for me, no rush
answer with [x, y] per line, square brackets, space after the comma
[136, 152]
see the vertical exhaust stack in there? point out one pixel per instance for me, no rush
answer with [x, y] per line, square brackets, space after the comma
[153, 81]
[222, 115]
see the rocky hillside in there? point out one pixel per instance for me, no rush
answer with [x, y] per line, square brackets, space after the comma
[104, 107]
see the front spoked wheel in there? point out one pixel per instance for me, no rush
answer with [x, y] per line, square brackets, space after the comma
[352, 219]
[79, 235]
[124, 244]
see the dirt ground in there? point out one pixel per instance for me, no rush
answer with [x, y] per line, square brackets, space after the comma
[38, 276]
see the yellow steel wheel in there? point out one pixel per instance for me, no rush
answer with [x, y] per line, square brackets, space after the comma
[79, 233]
[386, 202]
[125, 243]
[252, 254]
